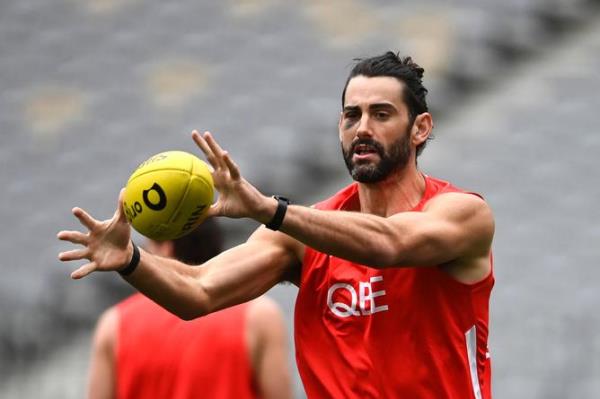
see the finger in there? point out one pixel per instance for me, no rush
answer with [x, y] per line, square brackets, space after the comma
[76, 237]
[203, 145]
[234, 170]
[83, 271]
[75, 254]
[85, 218]
[215, 148]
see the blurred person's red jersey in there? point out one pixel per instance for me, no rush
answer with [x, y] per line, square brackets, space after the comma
[161, 356]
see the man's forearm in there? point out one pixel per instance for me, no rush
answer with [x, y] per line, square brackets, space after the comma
[171, 284]
[234, 276]
[358, 237]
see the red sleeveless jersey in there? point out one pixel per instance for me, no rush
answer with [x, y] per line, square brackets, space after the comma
[410, 333]
[161, 356]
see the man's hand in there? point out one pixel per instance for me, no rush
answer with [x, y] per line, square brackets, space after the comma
[237, 197]
[106, 244]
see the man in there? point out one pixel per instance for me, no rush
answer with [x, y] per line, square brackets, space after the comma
[142, 351]
[394, 271]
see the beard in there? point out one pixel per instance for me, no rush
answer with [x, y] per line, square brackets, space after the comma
[394, 158]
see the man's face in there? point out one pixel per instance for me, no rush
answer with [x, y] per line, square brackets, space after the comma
[375, 128]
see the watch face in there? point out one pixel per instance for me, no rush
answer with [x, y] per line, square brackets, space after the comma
[280, 198]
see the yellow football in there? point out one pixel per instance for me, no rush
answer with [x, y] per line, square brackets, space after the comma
[168, 195]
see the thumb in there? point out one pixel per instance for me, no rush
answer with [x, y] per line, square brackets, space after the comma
[83, 271]
[214, 210]
[119, 212]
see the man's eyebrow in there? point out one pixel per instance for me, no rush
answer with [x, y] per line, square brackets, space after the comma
[376, 106]
[386, 106]
[351, 108]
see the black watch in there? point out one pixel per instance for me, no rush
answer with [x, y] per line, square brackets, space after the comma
[282, 204]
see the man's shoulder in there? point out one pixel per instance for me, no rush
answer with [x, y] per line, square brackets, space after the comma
[436, 187]
[441, 186]
[339, 200]
[441, 193]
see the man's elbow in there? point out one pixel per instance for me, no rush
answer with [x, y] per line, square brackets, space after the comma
[391, 250]
[191, 310]
[383, 254]
[190, 314]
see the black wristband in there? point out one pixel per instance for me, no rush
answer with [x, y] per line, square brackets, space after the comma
[133, 264]
[282, 204]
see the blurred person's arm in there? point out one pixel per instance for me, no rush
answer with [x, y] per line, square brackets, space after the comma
[268, 341]
[101, 378]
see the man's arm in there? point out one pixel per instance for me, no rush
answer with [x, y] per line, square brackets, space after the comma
[267, 338]
[238, 275]
[101, 375]
[452, 226]
[235, 276]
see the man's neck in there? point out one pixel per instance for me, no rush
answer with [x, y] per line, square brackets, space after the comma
[400, 192]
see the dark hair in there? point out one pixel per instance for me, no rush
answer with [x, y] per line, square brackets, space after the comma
[202, 244]
[402, 68]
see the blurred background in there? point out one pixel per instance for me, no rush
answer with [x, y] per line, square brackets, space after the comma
[90, 88]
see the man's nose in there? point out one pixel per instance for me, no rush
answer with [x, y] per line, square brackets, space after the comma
[364, 127]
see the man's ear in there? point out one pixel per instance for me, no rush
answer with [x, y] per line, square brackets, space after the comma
[421, 129]
[340, 126]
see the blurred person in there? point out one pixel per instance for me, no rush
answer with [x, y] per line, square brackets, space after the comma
[142, 351]
[394, 271]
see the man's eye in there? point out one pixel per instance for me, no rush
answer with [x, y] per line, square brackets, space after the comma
[381, 115]
[351, 115]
